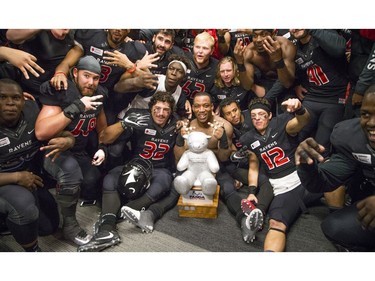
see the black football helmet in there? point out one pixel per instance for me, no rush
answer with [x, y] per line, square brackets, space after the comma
[135, 178]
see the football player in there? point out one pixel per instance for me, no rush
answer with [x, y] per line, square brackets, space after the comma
[152, 133]
[79, 109]
[21, 161]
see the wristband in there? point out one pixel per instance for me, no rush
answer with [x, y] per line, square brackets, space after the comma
[132, 69]
[221, 39]
[300, 111]
[223, 142]
[59, 72]
[280, 64]
[241, 67]
[180, 141]
[103, 147]
[252, 189]
[123, 124]
[74, 110]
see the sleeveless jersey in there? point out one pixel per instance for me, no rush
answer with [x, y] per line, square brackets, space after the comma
[81, 126]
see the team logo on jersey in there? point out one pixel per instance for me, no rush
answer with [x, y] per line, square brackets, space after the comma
[96, 51]
[4, 141]
[363, 158]
[150, 132]
[255, 144]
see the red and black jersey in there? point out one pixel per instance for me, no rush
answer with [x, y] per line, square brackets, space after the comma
[151, 141]
[82, 126]
[234, 36]
[321, 70]
[199, 80]
[275, 149]
[94, 43]
[19, 147]
[241, 129]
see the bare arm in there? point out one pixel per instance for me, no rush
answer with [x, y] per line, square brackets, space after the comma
[129, 84]
[301, 119]
[253, 169]
[51, 121]
[223, 40]
[282, 53]
[62, 70]
[111, 133]
[243, 56]
[24, 61]
[19, 36]
[23, 178]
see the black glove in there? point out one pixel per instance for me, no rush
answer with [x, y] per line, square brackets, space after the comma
[240, 155]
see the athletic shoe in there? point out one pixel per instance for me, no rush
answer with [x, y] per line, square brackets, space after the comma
[252, 222]
[76, 234]
[143, 219]
[100, 241]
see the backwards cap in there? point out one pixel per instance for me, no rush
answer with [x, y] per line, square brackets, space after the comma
[89, 63]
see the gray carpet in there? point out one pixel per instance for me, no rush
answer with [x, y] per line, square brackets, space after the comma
[224, 235]
[176, 234]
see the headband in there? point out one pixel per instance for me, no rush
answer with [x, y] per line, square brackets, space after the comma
[181, 63]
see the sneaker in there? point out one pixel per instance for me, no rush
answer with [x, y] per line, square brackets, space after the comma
[143, 219]
[76, 234]
[100, 241]
[252, 222]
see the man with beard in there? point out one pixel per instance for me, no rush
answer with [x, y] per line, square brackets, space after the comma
[220, 143]
[100, 44]
[78, 110]
[152, 133]
[162, 43]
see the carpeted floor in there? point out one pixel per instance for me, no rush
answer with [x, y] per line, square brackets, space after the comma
[176, 234]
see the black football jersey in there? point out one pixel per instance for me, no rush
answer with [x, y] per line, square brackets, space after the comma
[19, 148]
[50, 52]
[82, 126]
[349, 139]
[241, 129]
[94, 43]
[237, 93]
[152, 142]
[234, 36]
[322, 75]
[199, 80]
[275, 149]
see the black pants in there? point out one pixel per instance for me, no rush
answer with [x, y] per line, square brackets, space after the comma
[343, 228]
